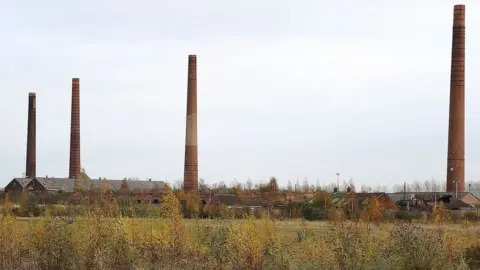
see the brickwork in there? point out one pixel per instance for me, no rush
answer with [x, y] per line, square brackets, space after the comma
[456, 129]
[190, 180]
[31, 159]
[74, 167]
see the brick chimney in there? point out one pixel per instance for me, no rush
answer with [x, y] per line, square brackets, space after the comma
[456, 128]
[190, 176]
[31, 160]
[74, 168]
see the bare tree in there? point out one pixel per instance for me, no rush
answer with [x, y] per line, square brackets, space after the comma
[289, 187]
[329, 187]
[365, 188]
[397, 188]
[178, 184]
[249, 185]
[443, 187]
[306, 186]
[222, 185]
[416, 186]
[202, 187]
[435, 186]
[428, 185]
[380, 188]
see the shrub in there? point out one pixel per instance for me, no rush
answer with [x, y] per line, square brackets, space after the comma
[52, 245]
[13, 244]
[102, 239]
[414, 247]
[250, 242]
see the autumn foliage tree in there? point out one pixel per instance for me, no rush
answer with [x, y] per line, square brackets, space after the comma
[440, 214]
[322, 199]
[192, 204]
[171, 211]
[273, 185]
[7, 206]
[237, 191]
[373, 211]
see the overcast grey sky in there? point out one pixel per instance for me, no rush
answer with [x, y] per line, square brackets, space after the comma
[290, 89]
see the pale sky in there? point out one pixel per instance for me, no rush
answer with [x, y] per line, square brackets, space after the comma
[290, 89]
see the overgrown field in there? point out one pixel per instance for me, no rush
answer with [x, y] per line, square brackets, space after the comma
[99, 242]
[103, 239]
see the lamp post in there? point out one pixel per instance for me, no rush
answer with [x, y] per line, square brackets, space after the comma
[338, 181]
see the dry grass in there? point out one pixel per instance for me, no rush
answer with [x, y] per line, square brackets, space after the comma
[101, 239]
[102, 242]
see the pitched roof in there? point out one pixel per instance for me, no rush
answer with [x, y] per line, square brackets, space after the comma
[68, 185]
[133, 185]
[60, 184]
[22, 181]
[227, 199]
[476, 193]
[362, 198]
[428, 196]
[457, 204]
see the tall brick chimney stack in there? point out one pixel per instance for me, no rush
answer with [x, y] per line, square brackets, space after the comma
[74, 168]
[190, 176]
[31, 160]
[456, 128]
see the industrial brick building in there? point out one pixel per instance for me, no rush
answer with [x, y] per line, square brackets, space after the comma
[77, 181]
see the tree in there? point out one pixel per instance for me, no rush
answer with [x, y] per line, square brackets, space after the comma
[381, 188]
[249, 185]
[178, 185]
[7, 205]
[262, 188]
[336, 214]
[306, 186]
[202, 187]
[273, 185]
[237, 191]
[351, 185]
[23, 204]
[193, 204]
[167, 188]
[322, 200]
[83, 181]
[373, 211]
[365, 188]
[416, 186]
[428, 186]
[440, 213]
[308, 212]
[434, 185]
[171, 211]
